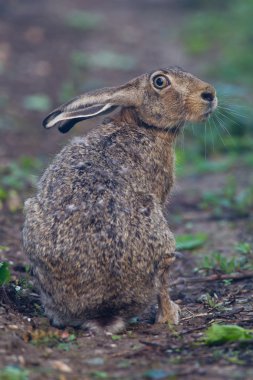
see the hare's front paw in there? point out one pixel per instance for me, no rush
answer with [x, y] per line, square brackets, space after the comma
[169, 314]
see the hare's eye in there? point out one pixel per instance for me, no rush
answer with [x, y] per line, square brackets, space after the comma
[161, 82]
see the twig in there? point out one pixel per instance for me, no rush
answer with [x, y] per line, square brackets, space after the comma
[195, 329]
[127, 353]
[195, 316]
[229, 313]
[214, 277]
[152, 344]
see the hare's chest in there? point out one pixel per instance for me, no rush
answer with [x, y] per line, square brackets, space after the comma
[162, 178]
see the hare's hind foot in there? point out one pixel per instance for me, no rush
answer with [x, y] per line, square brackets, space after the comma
[168, 313]
[98, 326]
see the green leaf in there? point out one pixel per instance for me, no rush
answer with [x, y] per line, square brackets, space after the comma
[116, 337]
[5, 274]
[71, 338]
[190, 241]
[3, 194]
[13, 373]
[37, 102]
[244, 248]
[219, 334]
[17, 175]
[4, 248]
[100, 375]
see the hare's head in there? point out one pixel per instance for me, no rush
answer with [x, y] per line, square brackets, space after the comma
[165, 98]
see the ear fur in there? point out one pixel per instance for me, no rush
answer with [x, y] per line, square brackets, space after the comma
[67, 120]
[87, 106]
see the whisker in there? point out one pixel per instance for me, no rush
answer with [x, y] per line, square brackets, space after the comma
[192, 128]
[229, 118]
[183, 141]
[221, 107]
[225, 129]
[219, 132]
[235, 103]
[210, 127]
[205, 140]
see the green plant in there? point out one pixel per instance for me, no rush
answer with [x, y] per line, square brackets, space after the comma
[220, 263]
[230, 199]
[13, 373]
[220, 334]
[116, 337]
[244, 248]
[220, 30]
[15, 176]
[5, 274]
[211, 301]
[215, 31]
[190, 241]
[3, 248]
[100, 375]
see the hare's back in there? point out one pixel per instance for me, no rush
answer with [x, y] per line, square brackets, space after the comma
[88, 207]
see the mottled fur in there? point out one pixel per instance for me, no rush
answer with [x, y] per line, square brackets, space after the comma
[95, 232]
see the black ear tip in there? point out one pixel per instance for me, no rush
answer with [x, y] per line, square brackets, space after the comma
[51, 116]
[44, 122]
[65, 126]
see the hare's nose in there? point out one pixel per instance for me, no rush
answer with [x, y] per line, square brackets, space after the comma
[208, 96]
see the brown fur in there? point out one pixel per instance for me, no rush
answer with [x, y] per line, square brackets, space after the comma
[95, 232]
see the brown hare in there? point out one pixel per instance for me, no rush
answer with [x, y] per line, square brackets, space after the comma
[95, 232]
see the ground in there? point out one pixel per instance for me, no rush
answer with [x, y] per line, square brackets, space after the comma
[30, 34]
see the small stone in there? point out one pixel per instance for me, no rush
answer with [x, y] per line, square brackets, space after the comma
[13, 327]
[21, 360]
[61, 366]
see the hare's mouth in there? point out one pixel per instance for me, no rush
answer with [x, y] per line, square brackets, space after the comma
[207, 114]
[204, 116]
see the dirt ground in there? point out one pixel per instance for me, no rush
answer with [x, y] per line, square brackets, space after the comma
[35, 48]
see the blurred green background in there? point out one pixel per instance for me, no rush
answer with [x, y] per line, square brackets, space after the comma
[52, 51]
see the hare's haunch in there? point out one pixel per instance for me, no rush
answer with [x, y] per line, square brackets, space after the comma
[95, 233]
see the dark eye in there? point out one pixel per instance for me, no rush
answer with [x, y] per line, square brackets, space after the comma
[161, 82]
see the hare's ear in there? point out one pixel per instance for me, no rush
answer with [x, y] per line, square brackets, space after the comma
[90, 105]
[65, 120]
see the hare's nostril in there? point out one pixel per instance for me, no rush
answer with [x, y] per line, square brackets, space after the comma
[207, 96]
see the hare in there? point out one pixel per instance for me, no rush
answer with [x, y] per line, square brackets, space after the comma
[95, 233]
